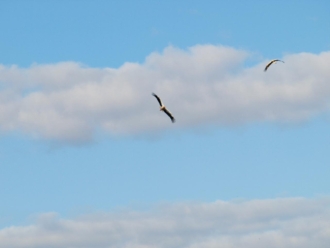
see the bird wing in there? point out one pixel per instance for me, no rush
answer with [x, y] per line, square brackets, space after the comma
[271, 62]
[169, 114]
[158, 99]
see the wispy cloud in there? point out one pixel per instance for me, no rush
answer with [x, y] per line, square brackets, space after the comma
[282, 223]
[202, 85]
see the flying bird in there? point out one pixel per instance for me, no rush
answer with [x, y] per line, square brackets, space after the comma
[163, 108]
[271, 62]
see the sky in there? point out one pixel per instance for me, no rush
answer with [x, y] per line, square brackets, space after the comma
[88, 160]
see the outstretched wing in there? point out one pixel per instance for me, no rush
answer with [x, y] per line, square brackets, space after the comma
[158, 99]
[169, 115]
[271, 62]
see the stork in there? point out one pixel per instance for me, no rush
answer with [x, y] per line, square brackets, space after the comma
[163, 108]
[271, 62]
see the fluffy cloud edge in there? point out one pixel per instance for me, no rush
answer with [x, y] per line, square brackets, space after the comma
[202, 85]
[279, 222]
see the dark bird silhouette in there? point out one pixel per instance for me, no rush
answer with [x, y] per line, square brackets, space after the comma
[271, 62]
[163, 108]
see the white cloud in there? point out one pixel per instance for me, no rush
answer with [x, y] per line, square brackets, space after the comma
[274, 223]
[203, 85]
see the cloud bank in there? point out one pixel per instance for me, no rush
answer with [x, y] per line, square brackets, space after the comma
[273, 223]
[203, 85]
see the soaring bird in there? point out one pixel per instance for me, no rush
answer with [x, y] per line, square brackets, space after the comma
[271, 62]
[163, 108]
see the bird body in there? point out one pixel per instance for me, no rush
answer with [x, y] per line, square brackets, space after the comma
[271, 62]
[163, 108]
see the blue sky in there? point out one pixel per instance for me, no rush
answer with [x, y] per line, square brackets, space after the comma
[81, 133]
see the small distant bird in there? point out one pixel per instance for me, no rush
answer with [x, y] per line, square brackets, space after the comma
[163, 108]
[271, 62]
